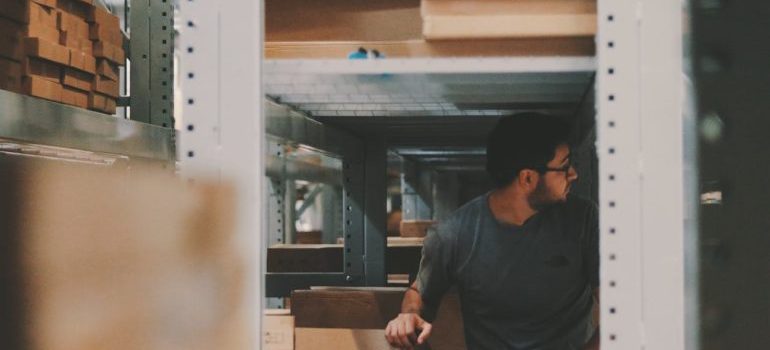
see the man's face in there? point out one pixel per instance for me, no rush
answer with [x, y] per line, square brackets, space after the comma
[554, 185]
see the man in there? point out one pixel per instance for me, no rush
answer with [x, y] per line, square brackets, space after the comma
[524, 257]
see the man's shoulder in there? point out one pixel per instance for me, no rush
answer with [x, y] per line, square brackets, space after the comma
[467, 213]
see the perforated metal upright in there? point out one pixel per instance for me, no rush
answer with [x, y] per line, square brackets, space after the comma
[642, 158]
[223, 132]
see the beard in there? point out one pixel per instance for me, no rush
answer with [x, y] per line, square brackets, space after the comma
[542, 197]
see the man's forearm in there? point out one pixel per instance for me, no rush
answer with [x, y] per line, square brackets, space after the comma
[412, 301]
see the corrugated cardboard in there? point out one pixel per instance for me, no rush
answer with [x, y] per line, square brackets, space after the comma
[103, 17]
[415, 228]
[144, 283]
[460, 19]
[370, 309]
[74, 97]
[277, 330]
[342, 339]
[40, 68]
[10, 75]
[11, 40]
[42, 88]
[82, 61]
[37, 47]
[106, 86]
[107, 69]
[77, 79]
[106, 33]
[111, 52]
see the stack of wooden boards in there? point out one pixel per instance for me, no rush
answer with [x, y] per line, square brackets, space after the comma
[67, 51]
[430, 28]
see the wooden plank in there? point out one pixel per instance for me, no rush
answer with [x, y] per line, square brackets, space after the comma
[508, 19]
[576, 46]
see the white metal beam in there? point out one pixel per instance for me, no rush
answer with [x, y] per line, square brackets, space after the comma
[223, 131]
[642, 199]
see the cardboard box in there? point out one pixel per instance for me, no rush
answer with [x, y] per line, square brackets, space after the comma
[40, 68]
[101, 103]
[103, 17]
[82, 61]
[328, 318]
[43, 32]
[39, 87]
[109, 34]
[278, 330]
[10, 75]
[111, 52]
[11, 40]
[83, 289]
[106, 86]
[461, 19]
[74, 97]
[107, 69]
[75, 26]
[77, 79]
[15, 10]
[37, 47]
[77, 43]
[415, 228]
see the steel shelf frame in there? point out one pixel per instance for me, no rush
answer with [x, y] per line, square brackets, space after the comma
[643, 179]
[223, 135]
[26, 119]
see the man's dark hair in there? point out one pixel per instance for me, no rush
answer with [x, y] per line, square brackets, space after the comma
[523, 141]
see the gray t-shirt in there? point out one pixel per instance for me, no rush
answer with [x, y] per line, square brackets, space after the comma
[521, 287]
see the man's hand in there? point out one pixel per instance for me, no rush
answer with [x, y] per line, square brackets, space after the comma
[401, 332]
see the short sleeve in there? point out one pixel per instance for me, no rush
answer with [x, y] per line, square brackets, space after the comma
[591, 252]
[435, 276]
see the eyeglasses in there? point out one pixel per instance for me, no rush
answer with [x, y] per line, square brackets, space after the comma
[565, 169]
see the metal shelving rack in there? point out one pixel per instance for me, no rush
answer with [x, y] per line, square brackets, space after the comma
[29, 120]
[641, 146]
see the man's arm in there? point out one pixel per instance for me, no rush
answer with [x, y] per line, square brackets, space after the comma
[401, 332]
[595, 342]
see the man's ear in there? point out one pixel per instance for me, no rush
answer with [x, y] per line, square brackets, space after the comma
[528, 178]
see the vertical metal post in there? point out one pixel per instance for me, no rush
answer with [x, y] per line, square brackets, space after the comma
[140, 60]
[375, 232]
[732, 76]
[353, 170]
[152, 61]
[218, 70]
[446, 195]
[642, 195]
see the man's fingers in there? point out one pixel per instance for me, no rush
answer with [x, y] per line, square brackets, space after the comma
[426, 329]
[388, 335]
[402, 336]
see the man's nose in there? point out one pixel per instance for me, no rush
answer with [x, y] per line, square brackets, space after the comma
[572, 175]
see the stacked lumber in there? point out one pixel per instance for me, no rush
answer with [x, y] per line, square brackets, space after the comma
[66, 51]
